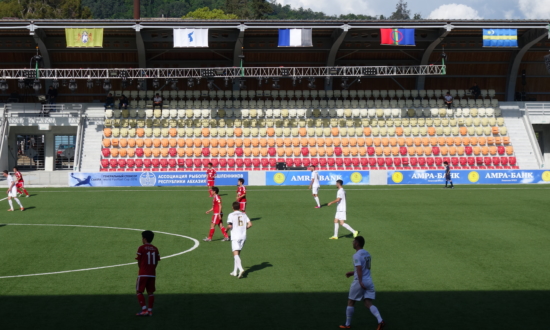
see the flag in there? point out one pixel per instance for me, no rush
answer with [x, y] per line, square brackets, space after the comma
[397, 37]
[84, 38]
[295, 38]
[190, 38]
[500, 38]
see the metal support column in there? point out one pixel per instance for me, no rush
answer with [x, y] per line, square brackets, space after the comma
[421, 80]
[237, 51]
[338, 37]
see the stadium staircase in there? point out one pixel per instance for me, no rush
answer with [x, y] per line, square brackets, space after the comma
[521, 131]
[92, 126]
[4, 131]
[253, 130]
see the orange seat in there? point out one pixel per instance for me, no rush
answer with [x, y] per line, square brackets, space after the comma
[354, 151]
[433, 141]
[498, 140]
[428, 151]
[140, 132]
[399, 131]
[393, 142]
[328, 142]
[334, 131]
[321, 151]
[172, 142]
[345, 151]
[106, 143]
[238, 143]
[263, 152]
[223, 152]
[466, 141]
[214, 152]
[231, 143]
[196, 142]
[156, 152]
[368, 142]
[173, 132]
[247, 142]
[205, 132]
[313, 151]
[295, 142]
[271, 142]
[288, 152]
[238, 131]
[280, 142]
[361, 142]
[288, 142]
[482, 141]
[131, 152]
[189, 143]
[345, 142]
[147, 152]
[255, 142]
[156, 143]
[463, 131]
[231, 152]
[419, 151]
[114, 152]
[377, 142]
[123, 152]
[132, 143]
[379, 151]
[123, 143]
[214, 142]
[263, 142]
[385, 142]
[297, 152]
[164, 152]
[189, 152]
[509, 150]
[452, 151]
[181, 152]
[303, 142]
[460, 151]
[449, 141]
[255, 152]
[395, 151]
[409, 142]
[441, 141]
[197, 152]
[457, 141]
[473, 141]
[320, 142]
[362, 151]
[387, 151]
[431, 131]
[303, 131]
[506, 140]
[495, 130]
[444, 151]
[312, 142]
[107, 132]
[366, 131]
[114, 142]
[411, 151]
[353, 142]
[336, 141]
[484, 150]
[247, 152]
[165, 143]
[270, 131]
[222, 143]
[493, 150]
[205, 143]
[425, 141]
[490, 140]
[417, 141]
[401, 142]
[477, 150]
[139, 143]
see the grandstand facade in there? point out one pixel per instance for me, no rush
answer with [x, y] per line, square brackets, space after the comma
[372, 122]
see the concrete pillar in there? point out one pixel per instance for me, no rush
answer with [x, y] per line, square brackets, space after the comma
[49, 151]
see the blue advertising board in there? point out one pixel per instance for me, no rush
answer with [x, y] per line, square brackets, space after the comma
[151, 179]
[302, 178]
[469, 177]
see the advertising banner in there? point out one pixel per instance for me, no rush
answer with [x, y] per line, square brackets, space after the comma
[303, 178]
[469, 177]
[151, 179]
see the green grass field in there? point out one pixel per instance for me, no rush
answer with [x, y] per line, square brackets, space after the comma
[473, 257]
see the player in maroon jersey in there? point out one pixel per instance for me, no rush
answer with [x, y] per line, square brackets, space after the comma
[19, 182]
[148, 257]
[217, 217]
[210, 178]
[241, 195]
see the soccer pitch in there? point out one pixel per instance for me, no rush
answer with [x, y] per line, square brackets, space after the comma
[472, 257]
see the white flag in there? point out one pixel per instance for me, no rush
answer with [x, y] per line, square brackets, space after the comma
[190, 38]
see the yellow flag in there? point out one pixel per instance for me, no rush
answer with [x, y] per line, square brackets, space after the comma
[84, 38]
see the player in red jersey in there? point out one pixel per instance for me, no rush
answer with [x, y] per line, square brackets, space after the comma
[19, 182]
[148, 257]
[217, 217]
[241, 195]
[210, 178]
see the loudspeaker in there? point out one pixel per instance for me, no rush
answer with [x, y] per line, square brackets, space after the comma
[281, 166]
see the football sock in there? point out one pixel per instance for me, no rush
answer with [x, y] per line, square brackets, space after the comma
[349, 314]
[210, 193]
[151, 299]
[235, 266]
[141, 300]
[376, 313]
[238, 261]
[452, 184]
[211, 234]
[348, 227]
[18, 202]
[19, 191]
[336, 229]
[224, 232]
[25, 191]
[11, 204]
[446, 183]
[317, 200]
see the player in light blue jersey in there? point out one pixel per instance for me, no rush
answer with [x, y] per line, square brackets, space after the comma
[362, 287]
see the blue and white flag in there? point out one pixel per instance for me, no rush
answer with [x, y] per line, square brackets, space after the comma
[295, 38]
[190, 38]
[500, 38]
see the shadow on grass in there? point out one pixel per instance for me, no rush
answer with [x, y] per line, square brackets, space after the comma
[255, 219]
[451, 310]
[29, 208]
[258, 267]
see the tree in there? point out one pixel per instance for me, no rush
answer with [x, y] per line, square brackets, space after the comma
[238, 7]
[401, 11]
[38, 9]
[206, 13]
[260, 9]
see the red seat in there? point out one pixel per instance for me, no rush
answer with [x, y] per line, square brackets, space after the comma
[422, 161]
[315, 162]
[305, 151]
[205, 162]
[468, 150]
[339, 162]
[364, 162]
[272, 151]
[496, 161]
[338, 151]
[479, 160]
[397, 162]
[139, 163]
[113, 163]
[323, 162]
[405, 161]
[372, 161]
[139, 152]
[214, 162]
[463, 161]
[104, 163]
[106, 152]
[370, 151]
[501, 150]
[355, 162]
[181, 162]
[273, 162]
[381, 161]
[265, 162]
[389, 162]
[173, 152]
[306, 162]
[430, 161]
[172, 163]
[487, 161]
[189, 162]
[206, 152]
[223, 162]
[156, 163]
[164, 163]
[239, 162]
[347, 162]
[447, 159]
[454, 161]
[198, 163]
[471, 161]
[147, 163]
[248, 162]
[239, 151]
[438, 161]
[297, 162]
[414, 161]
[331, 162]
[403, 151]
[512, 161]
[435, 151]
[231, 162]
[289, 162]
[504, 160]
[131, 163]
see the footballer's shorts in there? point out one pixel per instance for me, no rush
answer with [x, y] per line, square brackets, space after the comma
[217, 218]
[340, 215]
[210, 183]
[357, 293]
[242, 206]
[315, 190]
[237, 245]
[145, 283]
[13, 192]
[20, 184]
[447, 178]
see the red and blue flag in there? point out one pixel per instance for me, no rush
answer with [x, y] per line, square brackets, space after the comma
[397, 37]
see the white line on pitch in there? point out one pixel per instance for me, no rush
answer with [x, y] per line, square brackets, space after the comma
[3, 199]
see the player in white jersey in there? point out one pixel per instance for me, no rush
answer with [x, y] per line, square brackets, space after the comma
[341, 211]
[12, 191]
[238, 222]
[314, 185]
[362, 287]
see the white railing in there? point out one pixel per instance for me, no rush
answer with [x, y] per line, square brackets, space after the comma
[4, 125]
[533, 139]
[62, 109]
[538, 109]
[79, 141]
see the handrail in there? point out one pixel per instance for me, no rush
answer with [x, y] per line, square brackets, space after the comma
[79, 141]
[533, 139]
[538, 108]
[3, 128]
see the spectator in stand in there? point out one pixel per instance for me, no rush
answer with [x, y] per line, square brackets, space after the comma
[52, 95]
[123, 102]
[448, 100]
[157, 101]
[476, 92]
[110, 101]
